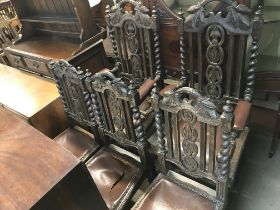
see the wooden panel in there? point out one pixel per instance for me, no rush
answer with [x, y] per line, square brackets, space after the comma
[51, 120]
[24, 93]
[56, 48]
[37, 66]
[40, 178]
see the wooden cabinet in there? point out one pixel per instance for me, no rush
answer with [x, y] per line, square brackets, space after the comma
[61, 29]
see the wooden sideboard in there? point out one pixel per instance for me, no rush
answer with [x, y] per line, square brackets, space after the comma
[55, 30]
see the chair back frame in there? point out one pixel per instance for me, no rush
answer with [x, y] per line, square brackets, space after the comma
[117, 112]
[75, 98]
[176, 121]
[223, 37]
[135, 40]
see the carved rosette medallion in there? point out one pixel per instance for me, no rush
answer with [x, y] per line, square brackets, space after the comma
[116, 113]
[215, 36]
[131, 35]
[189, 135]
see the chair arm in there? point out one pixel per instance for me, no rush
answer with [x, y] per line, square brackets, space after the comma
[241, 113]
[167, 88]
[145, 89]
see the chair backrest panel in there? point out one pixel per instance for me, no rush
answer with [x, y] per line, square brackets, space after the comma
[132, 30]
[76, 99]
[114, 100]
[217, 49]
[192, 132]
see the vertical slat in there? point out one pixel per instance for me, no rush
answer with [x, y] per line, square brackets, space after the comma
[144, 65]
[176, 137]
[37, 7]
[126, 120]
[107, 112]
[240, 63]
[200, 64]
[52, 12]
[129, 121]
[168, 134]
[124, 49]
[191, 54]
[65, 8]
[149, 44]
[101, 105]
[70, 8]
[118, 41]
[212, 149]
[60, 12]
[203, 133]
[44, 8]
[67, 12]
[230, 55]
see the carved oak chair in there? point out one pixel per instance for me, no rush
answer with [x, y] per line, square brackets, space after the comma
[135, 42]
[182, 117]
[9, 22]
[78, 107]
[118, 167]
[216, 51]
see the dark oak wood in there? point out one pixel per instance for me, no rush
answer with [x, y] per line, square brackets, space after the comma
[32, 98]
[40, 178]
[187, 124]
[55, 30]
[78, 108]
[169, 36]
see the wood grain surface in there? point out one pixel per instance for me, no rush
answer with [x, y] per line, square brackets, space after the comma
[30, 163]
[25, 93]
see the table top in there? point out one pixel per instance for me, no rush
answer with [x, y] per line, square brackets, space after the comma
[31, 164]
[25, 93]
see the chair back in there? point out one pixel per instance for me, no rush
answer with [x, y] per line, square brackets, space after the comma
[117, 112]
[193, 138]
[217, 49]
[76, 100]
[135, 40]
[9, 23]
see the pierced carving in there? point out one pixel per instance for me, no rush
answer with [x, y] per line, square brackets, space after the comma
[236, 21]
[189, 135]
[130, 26]
[215, 36]
[117, 115]
[69, 82]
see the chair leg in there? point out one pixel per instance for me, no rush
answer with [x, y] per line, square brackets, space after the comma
[275, 139]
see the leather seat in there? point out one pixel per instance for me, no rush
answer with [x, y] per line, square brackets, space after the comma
[113, 175]
[79, 143]
[166, 195]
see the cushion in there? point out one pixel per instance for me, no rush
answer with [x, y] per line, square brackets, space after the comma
[166, 195]
[112, 174]
[79, 143]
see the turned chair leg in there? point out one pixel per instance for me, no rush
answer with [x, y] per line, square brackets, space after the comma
[275, 139]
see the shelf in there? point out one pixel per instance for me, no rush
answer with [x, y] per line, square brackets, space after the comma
[60, 20]
[75, 35]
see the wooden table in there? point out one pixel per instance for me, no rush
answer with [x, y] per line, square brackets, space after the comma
[33, 98]
[36, 173]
